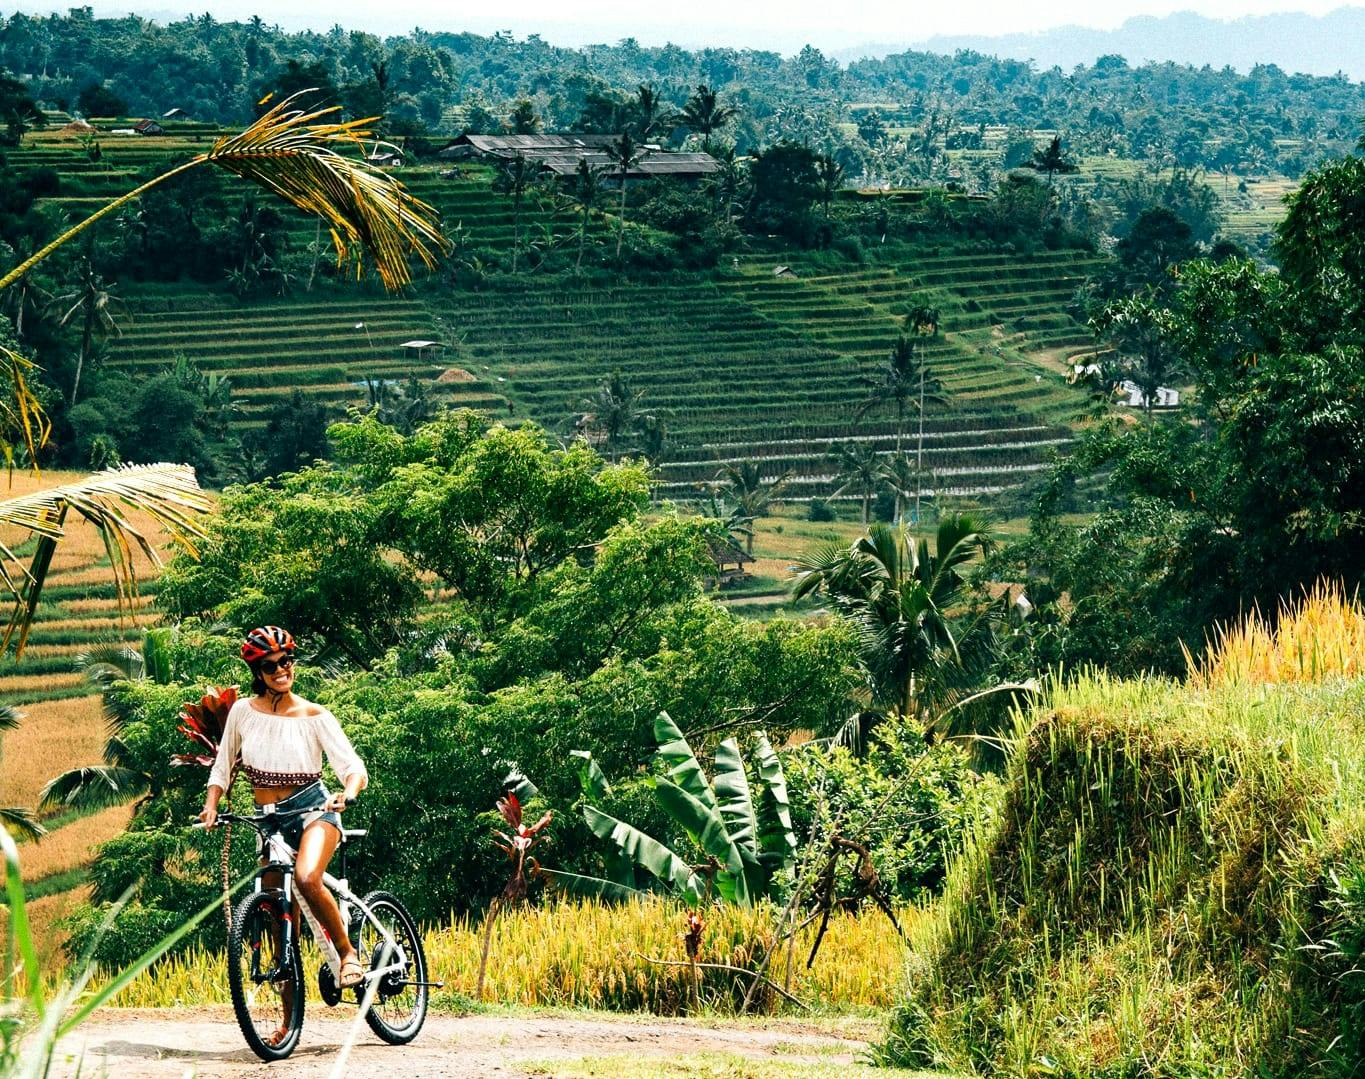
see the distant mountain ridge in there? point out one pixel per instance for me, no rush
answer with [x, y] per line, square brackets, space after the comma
[1296, 42]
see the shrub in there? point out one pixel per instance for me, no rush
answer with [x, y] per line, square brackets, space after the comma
[820, 511]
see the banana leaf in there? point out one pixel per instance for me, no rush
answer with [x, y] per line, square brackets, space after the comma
[590, 777]
[646, 852]
[706, 828]
[608, 891]
[683, 768]
[736, 798]
[776, 837]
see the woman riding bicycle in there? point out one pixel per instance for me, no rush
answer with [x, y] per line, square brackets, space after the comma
[281, 738]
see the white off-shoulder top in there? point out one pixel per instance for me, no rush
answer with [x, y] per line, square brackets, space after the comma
[283, 751]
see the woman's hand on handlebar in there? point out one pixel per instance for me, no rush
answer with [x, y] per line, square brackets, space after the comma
[208, 816]
[337, 802]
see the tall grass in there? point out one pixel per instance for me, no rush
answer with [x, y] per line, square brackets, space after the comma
[1176, 884]
[587, 955]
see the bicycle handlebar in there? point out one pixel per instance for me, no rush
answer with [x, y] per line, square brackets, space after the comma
[258, 819]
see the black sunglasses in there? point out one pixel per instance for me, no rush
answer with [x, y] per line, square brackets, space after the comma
[270, 666]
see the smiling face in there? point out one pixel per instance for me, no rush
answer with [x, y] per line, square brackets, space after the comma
[281, 680]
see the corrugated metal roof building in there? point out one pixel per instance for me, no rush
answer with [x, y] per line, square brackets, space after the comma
[560, 154]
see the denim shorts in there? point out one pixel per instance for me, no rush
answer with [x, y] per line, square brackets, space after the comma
[291, 828]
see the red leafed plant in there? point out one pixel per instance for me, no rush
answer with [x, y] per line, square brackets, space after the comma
[518, 845]
[203, 723]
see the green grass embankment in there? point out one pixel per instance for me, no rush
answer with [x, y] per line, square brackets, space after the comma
[1175, 887]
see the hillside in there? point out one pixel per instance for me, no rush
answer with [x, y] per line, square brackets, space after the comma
[739, 363]
[1176, 882]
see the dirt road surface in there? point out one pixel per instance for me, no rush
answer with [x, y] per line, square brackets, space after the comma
[205, 1042]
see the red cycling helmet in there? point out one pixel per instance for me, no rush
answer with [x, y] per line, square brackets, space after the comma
[263, 640]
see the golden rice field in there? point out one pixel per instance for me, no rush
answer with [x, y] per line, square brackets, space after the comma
[17, 683]
[1319, 636]
[52, 737]
[43, 916]
[587, 955]
[72, 845]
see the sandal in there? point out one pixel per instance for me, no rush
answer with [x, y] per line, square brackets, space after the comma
[352, 973]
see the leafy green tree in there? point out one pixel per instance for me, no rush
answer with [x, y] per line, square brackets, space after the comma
[524, 120]
[831, 175]
[294, 435]
[786, 183]
[18, 111]
[98, 100]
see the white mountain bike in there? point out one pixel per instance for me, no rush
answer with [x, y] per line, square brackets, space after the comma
[265, 961]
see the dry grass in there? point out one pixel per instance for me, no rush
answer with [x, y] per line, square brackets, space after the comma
[52, 737]
[95, 606]
[43, 915]
[96, 626]
[22, 683]
[1319, 636]
[587, 955]
[72, 845]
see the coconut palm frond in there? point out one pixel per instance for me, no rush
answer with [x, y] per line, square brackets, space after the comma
[9, 717]
[22, 419]
[168, 494]
[288, 151]
[109, 662]
[21, 822]
[94, 787]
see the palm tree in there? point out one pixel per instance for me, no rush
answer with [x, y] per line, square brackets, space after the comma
[624, 154]
[614, 409]
[923, 319]
[736, 524]
[726, 182]
[167, 494]
[753, 494]
[894, 383]
[1052, 160]
[94, 301]
[289, 152]
[903, 476]
[901, 597]
[652, 115]
[516, 175]
[831, 179]
[860, 472]
[587, 194]
[705, 115]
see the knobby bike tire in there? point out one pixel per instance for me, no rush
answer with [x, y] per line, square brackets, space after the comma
[245, 927]
[390, 907]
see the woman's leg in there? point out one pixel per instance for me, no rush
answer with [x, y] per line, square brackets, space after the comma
[319, 841]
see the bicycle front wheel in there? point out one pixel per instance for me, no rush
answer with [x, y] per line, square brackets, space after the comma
[266, 983]
[400, 1000]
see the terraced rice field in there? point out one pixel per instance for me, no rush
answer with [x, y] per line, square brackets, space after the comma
[755, 366]
[326, 343]
[62, 723]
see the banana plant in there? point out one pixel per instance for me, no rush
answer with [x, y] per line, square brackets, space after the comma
[744, 830]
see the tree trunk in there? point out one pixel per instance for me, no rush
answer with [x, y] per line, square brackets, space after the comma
[87, 332]
[919, 450]
[516, 229]
[621, 222]
[867, 500]
[582, 239]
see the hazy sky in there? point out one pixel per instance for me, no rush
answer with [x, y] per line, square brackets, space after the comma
[784, 25]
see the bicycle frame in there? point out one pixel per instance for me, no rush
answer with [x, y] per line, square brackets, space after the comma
[279, 858]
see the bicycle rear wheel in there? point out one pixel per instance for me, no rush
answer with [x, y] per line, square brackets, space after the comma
[400, 1000]
[267, 985]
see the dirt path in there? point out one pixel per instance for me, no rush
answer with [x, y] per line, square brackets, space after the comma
[206, 1043]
